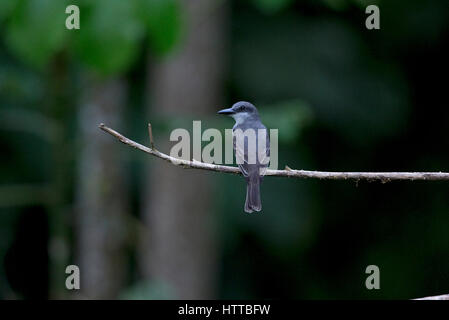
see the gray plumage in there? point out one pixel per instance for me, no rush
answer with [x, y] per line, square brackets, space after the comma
[255, 157]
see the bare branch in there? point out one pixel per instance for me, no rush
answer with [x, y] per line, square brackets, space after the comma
[442, 297]
[325, 175]
[177, 162]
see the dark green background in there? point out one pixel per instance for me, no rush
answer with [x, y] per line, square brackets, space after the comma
[344, 98]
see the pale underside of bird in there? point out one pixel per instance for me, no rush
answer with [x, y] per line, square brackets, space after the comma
[252, 150]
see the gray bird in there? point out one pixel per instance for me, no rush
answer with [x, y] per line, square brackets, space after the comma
[254, 155]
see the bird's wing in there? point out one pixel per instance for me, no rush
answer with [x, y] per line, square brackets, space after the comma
[239, 154]
[263, 153]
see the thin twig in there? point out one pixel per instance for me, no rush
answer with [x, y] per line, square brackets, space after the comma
[370, 176]
[150, 132]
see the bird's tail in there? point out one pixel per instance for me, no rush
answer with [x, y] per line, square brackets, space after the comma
[253, 202]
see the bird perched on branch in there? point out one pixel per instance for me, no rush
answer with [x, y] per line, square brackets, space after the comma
[252, 149]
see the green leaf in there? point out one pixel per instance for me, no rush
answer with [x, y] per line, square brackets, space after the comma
[109, 37]
[162, 19]
[36, 30]
[6, 7]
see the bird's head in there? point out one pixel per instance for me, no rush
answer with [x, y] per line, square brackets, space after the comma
[240, 111]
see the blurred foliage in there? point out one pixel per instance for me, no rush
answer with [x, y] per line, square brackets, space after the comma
[271, 6]
[291, 117]
[341, 5]
[110, 36]
[109, 40]
[344, 98]
[6, 7]
[163, 23]
[34, 30]
[147, 291]
[326, 63]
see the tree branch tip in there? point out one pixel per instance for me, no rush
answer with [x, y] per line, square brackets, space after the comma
[150, 133]
[440, 297]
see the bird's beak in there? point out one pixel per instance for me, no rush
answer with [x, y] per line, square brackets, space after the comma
[228, 111]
